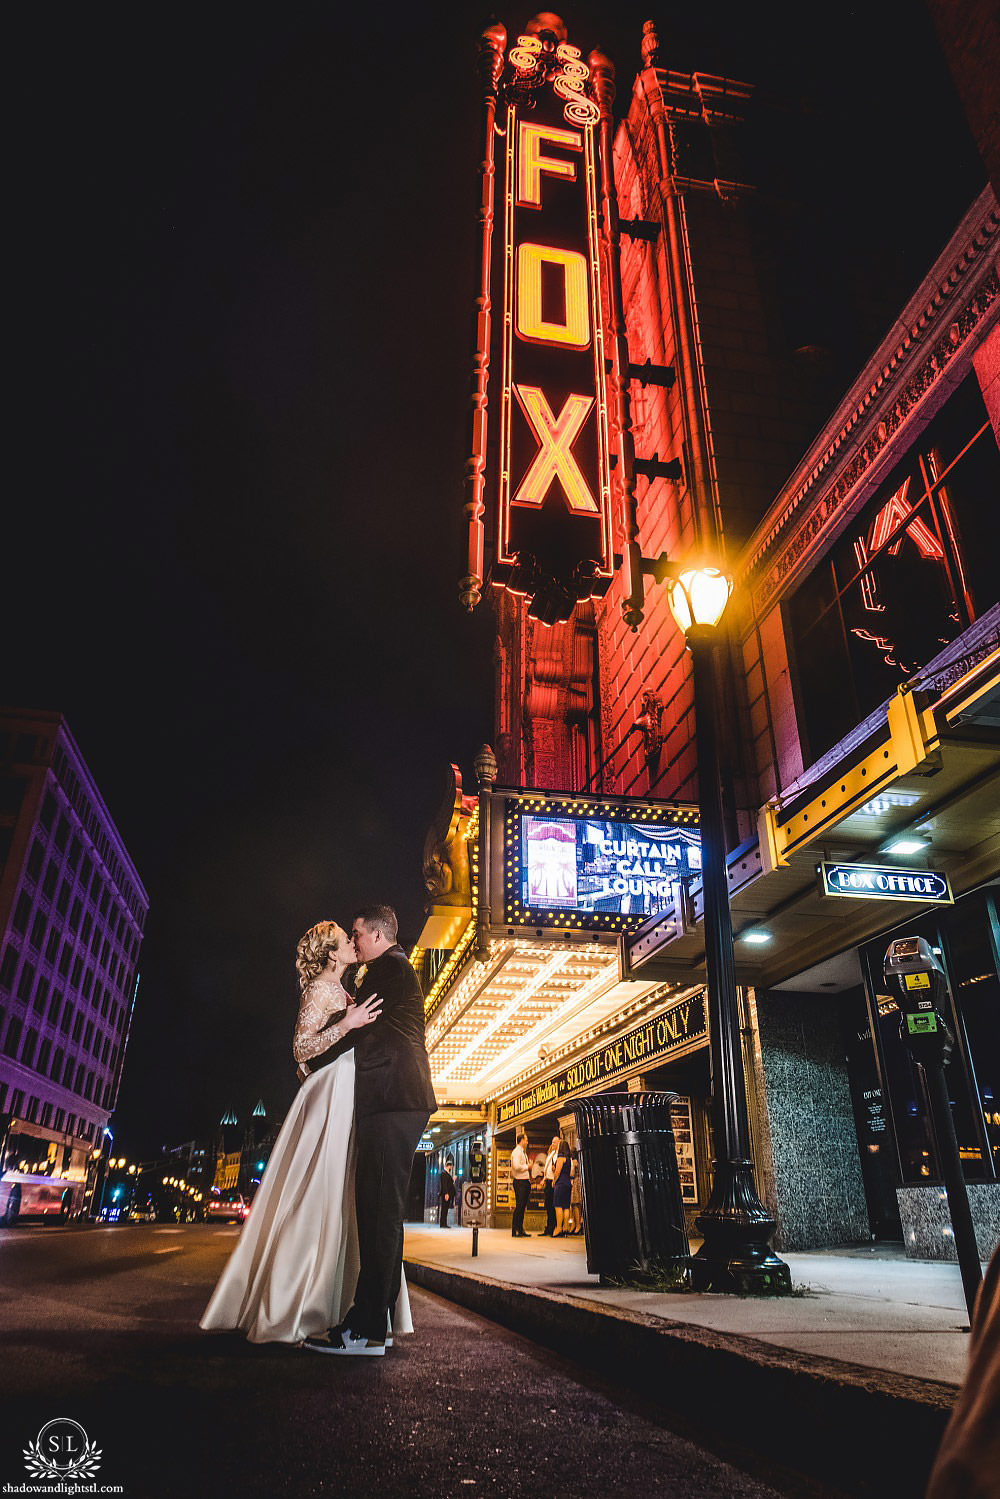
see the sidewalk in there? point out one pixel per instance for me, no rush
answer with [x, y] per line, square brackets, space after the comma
[850, 1382]
[872, 1307]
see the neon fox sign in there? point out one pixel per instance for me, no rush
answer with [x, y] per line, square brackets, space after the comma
[551, 479]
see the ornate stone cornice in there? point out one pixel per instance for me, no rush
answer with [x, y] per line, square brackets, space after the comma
[892, 400]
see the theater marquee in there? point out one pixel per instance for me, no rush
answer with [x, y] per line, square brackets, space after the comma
[550, 487]
[651, 1043]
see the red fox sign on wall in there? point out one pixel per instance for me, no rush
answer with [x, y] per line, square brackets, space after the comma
[540, 331]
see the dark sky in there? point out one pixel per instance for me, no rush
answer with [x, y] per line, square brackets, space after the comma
[241, 251]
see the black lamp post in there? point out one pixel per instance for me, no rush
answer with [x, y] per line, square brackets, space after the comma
[736, 1253]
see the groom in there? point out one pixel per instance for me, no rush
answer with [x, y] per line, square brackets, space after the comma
[393, 1099]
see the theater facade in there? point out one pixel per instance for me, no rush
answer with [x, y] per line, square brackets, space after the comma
[563, 951]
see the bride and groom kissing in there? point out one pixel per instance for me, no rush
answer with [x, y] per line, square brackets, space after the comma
[319, 1262]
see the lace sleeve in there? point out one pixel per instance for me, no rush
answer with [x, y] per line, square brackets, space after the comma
[311, 1039]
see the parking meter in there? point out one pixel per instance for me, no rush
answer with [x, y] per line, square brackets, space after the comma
[477, 1162]
[917, 974]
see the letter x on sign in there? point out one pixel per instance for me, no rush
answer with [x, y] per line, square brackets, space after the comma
[554, 459]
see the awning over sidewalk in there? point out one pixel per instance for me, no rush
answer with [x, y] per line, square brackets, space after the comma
[929, 772]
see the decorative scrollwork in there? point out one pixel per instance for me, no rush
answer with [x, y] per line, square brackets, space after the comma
[571, 85]
[524, 57]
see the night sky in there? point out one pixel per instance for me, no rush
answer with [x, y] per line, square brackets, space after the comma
[243, 250]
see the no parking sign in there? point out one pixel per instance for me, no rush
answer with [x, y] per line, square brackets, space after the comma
[473, 1205]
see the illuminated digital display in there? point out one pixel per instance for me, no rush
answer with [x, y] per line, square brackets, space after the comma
[608, 867]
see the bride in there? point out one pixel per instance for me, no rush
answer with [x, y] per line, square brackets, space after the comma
[295, 1266]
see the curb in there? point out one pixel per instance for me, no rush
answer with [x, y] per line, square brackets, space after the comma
[865, 1431]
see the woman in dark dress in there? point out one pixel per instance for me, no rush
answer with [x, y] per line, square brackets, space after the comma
[561, 1189]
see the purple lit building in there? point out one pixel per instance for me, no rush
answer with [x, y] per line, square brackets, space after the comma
[72, 913]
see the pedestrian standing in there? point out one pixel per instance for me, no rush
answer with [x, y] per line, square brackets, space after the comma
[550, 1171]
[561, 1187]
[520, 1170]
[575, 1194]
[446, 1198]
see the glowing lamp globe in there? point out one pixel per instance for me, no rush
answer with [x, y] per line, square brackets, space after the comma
[698, 596]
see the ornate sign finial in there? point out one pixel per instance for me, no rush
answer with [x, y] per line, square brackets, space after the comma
[650, 45]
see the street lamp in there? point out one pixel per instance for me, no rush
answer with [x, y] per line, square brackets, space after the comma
[736, 1253]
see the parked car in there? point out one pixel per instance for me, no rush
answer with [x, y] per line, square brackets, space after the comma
[226, 1206]
[26, 1195]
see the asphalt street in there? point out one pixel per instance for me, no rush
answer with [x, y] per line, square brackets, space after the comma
[100, 1327]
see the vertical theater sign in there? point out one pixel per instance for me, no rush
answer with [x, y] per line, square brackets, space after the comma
[539, 493]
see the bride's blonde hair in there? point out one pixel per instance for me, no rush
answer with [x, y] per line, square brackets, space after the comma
[315, 948]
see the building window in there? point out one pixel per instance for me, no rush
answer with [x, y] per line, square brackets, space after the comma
[42, 1060]
[58, 1058]
[77, 971]
[62, 832]
[70, 1124]
[25, 981]
[52, 946]
[67, 1016]
[8, 967]
[88, 983]
[54, 1004]
[88, 1091]
[28, 1046]
[16, 1101]
[22, 912]
[62, 904]
[75, 850]
[51, 878]
[77, 1027]
[75, 914]
[41, 994]
[67, 1080]
[60, 1119]
[47, 816]
[31, 1111]
[88, 1032]
[36, 859]
[12, 1037]
[914, 569]
[78, 1082]
[87, 927]
[38, 927]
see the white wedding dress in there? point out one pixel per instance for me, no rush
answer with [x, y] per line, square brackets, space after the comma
[295, 1266]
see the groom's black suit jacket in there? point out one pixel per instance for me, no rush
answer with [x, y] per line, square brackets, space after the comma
[391, 1070]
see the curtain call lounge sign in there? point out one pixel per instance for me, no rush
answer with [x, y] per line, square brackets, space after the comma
[872, 882]
[551, 479]
[654, 1041]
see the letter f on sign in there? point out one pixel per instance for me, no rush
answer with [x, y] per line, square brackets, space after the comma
[554, 459]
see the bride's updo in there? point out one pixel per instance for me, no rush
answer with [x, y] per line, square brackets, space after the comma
[315, 948]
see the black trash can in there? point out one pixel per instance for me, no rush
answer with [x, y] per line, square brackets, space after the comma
[632, 1207]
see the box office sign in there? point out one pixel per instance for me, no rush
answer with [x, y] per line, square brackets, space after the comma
[550, 482]
[877, 882]
[653, 1041]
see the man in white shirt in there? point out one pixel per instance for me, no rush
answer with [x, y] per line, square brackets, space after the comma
[520, 1170]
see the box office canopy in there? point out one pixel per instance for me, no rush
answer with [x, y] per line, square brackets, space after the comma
[922, 776]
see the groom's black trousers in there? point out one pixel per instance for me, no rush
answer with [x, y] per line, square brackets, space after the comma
[386, 1144]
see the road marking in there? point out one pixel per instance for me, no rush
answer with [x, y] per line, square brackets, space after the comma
[168, 1230]
[170, 1249]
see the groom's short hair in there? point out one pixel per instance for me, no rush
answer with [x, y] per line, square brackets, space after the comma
[382, 917]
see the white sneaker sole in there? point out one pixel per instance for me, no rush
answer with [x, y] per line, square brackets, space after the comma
[354, 1350]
